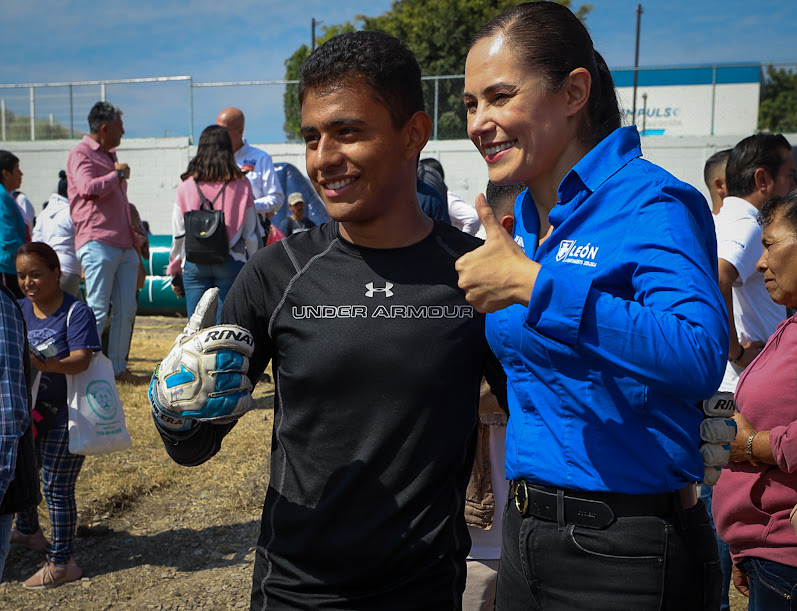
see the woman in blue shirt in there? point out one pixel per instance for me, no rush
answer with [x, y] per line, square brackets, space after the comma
[63, 337]
[608, 322]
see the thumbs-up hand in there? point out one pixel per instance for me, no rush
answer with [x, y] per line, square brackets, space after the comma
[498, 273]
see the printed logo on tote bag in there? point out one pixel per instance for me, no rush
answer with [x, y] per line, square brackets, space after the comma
[102, 399]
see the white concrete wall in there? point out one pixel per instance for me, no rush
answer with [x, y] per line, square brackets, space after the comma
[156, 165]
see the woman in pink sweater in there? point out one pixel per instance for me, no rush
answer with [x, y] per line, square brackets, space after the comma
[758, 488]
[214, 174]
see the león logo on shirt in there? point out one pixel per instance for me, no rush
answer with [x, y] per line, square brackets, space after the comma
[571, 252]
[386, 290]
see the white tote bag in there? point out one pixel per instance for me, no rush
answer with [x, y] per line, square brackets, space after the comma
[96, 418]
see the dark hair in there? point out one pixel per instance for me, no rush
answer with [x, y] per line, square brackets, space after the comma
[215, 160]
[43, 251]
[501, 198]
[431, 162]
[62, 184]
[757, 151]
[786, 204]
[8, 161]
[102, 113]
[549, 39]
[381, 62]
[713, 163]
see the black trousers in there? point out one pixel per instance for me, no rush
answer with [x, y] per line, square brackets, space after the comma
[636, 563]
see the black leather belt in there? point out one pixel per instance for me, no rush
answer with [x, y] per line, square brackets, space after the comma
[588, 509]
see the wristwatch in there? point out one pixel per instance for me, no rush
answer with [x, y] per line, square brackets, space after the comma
[120, 174]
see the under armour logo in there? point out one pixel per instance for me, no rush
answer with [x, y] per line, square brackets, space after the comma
[371, 289]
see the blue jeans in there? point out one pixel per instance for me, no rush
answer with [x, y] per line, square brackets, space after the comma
[198, 278]
[5, 539]
[111, 275]
[726, 564]
[773, 586]
[640, 562]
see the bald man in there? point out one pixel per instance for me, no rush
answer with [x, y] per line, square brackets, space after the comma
[256, 164]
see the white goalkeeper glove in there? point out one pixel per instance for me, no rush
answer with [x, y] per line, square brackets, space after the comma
[718, 431]
[203, 378]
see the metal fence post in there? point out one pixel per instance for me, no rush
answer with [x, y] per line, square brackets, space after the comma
[436, 105]
[713, 96]
[190, 110]
[32, 114]
[71, 114]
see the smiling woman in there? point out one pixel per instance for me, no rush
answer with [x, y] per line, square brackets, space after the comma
[608, 322]
[64, 332]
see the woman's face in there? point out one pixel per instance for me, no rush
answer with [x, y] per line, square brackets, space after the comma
[519, 128]
[12, 180]
[38, 282]
[778, 262]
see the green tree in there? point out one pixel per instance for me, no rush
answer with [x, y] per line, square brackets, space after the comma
[778, 110]
[18, 128]
[438, 32]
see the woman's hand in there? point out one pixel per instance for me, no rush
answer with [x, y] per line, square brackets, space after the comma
[177, 285]
[739, 446]
[498, 273]
[750, 352]
[740, 581]
[761, 450]
[77, 362]
[45, 366]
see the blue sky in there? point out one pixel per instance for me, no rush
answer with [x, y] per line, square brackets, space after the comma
[60, 40]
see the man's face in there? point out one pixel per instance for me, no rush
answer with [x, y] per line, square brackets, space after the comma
[297, 210]
[783, 183]
[113, 133]
[354, 153]
[13, 179]
[235, 128]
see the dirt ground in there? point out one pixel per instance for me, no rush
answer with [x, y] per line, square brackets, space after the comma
[153, 534]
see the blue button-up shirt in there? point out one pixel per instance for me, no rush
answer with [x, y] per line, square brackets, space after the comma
[625, 332]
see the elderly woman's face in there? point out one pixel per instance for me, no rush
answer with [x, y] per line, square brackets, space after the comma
[778, 262]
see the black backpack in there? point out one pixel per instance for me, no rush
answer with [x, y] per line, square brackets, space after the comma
[206, 241]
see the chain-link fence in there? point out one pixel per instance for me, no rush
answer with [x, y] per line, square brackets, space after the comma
[177, 106]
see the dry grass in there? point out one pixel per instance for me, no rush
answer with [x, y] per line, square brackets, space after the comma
[111, 483]
[151, 530]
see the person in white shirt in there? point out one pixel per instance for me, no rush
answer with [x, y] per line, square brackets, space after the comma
[26, 207]
[255, 163]
[55, 228]
[759, 167]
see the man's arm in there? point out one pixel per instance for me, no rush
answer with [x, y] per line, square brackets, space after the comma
[727, 276]
[269, 197]
[90, 180]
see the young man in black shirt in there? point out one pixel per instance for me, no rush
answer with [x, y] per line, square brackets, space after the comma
[377, 358]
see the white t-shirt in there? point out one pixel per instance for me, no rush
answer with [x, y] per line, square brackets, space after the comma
[54, 227]
[739, 242]
[463, 216]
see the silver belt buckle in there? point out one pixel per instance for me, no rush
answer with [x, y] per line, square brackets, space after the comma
[521, 497]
